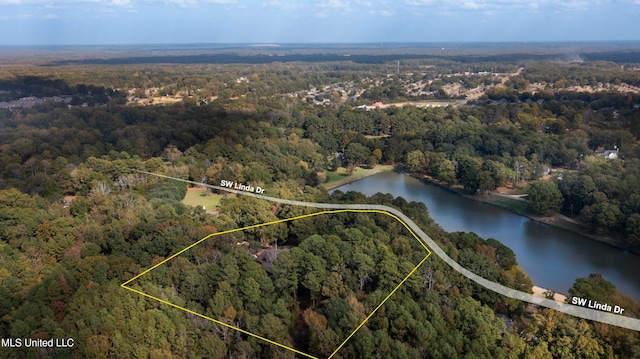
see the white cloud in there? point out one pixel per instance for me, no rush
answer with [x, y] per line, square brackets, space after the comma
[283, 5]
[368, 3]
[51, 16]
[348, 4]
[16, 17]
[420, 2]
[472, 5]
[191, 3]
[385, 13]
[510, 4]
[123, 3]
[57, 3]
[576, 4]
[53, 3]
[333, 4]
[327, 8]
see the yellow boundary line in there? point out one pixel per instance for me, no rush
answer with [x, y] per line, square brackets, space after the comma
[125, 284]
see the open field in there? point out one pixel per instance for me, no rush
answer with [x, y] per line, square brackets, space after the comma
[202, 197]
[422, 103]
[159, 100]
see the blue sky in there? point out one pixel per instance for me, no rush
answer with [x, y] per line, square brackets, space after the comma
[75, 22]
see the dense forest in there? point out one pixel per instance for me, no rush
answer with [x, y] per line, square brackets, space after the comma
[76, 221]
[64, 282]
[480, 148]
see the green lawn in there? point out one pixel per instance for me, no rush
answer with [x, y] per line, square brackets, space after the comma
[195, 198]
[339, 177]
[518, 206]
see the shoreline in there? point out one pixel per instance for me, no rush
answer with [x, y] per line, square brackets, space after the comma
[540, 292]
[358, 176]
[544, 220]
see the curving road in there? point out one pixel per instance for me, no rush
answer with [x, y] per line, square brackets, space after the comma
[577, 311]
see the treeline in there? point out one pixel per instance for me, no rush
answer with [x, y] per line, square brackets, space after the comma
[47, 149]
[196, 81]
[573, 110]
[606, 195]
[589, 73]
[36, 86]
[235, 58]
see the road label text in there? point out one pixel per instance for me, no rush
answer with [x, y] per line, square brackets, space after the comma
[583, 302]
[241, 187]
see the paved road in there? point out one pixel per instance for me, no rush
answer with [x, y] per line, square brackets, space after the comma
[577, 311]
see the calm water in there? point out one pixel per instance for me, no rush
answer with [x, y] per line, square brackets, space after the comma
[552, 257]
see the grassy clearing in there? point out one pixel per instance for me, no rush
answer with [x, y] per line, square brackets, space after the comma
[513, 204]
[202, 197]
[340, 177]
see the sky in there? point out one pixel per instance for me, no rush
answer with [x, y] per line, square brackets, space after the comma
[102, 22]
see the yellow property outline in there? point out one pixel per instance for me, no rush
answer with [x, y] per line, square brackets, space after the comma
[125, 284]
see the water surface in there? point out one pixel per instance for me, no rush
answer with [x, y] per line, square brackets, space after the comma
[552, 257]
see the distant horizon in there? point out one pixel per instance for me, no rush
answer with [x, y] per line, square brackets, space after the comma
[124, 22]
[267, 45]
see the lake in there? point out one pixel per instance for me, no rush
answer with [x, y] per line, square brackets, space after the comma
[551, 256]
